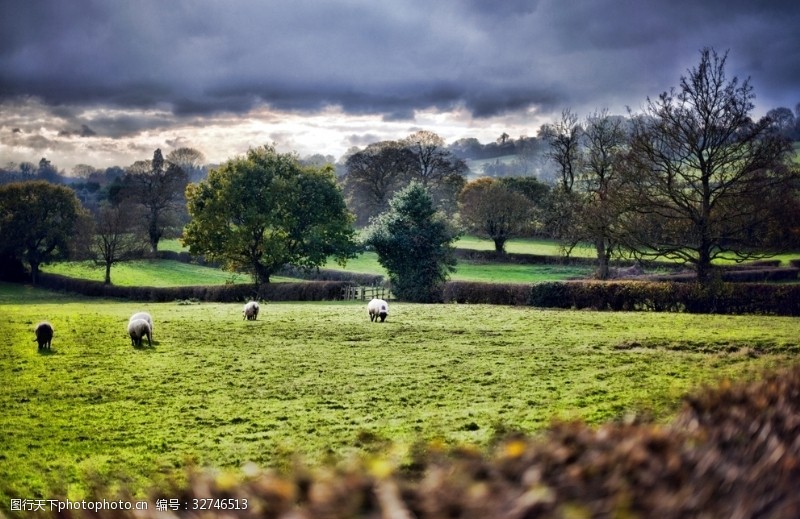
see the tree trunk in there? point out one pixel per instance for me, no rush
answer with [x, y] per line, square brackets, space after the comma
[108, 274]
[602, 259]
[500, 245]
[704, 266]
[154, 234]
[34, 272]
[262, 273]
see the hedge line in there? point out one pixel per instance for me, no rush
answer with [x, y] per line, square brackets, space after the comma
[333, 275]
[490, 256]
[739, 274]
[723, 298]
[303, 291]
[293, 272]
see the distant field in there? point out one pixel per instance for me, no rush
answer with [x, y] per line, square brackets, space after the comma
[320, 382]
[173, 245]
[473, 271]
[526, 246]
[151, 273]
[163, 273]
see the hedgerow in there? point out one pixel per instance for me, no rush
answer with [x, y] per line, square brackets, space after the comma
[302, 291]
[723, 298]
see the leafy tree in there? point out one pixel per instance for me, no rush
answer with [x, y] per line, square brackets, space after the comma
[535, 191]
[491, 209]
[115, 237]
[157, 185]
[373, 176]
[38, 221]
[263, 211]
[414, 244]
[702, 173]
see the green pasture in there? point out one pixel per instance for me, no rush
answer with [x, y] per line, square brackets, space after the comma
[152, 273]
[168, 273]
[367, 263]
[319, 382]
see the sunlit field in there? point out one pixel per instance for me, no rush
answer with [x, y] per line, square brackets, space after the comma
[152, 273]
[320, 382]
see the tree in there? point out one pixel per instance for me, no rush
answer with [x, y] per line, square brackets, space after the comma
[414, 244]
[563, 137]
[491, 209]
[191, 161]
[157, 185]
[605, 139]
[38, 221]
[373, 176]
[436, 168]
[701, 173]
[263, 211]
[114, 236]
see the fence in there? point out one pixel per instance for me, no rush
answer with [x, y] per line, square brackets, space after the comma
[356, 293]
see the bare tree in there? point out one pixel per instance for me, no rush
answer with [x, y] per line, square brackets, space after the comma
[191, 161]
[434, 162]
[373, 175]
[437, 169]
[702, 173]
[605, 140]
[563, 138]
[116, 238]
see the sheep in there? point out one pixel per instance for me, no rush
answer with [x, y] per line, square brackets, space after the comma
[145, 316]
[137, 329]
[250, 311]
[44, 334]
[377, 308]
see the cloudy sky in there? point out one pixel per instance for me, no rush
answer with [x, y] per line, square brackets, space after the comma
[105, 82]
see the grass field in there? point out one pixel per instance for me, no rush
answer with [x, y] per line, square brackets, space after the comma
[319, 381]
[474, 271]
[166, 273]
[153, 273]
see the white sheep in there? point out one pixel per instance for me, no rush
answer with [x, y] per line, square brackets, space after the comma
[44, 334]
[377, 308]
[137, 329]
[145, 316]
[250, 311]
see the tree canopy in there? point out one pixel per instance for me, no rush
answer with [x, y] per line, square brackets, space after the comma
[414, 244]
[491, 209]
[702, 174]
[157, 185]
[263, 211]
[38, 222]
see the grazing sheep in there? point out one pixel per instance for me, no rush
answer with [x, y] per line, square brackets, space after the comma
[145, 316]
[250, 311]
[377, 308]
[137, 329]
[44, 334]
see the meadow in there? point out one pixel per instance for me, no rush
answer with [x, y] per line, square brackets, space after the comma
[154, 272]
[320, 383]
[167, 273]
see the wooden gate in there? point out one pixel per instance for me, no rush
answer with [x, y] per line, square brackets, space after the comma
[355, 293]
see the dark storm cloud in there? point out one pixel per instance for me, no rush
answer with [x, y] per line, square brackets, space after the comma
[391, 58]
